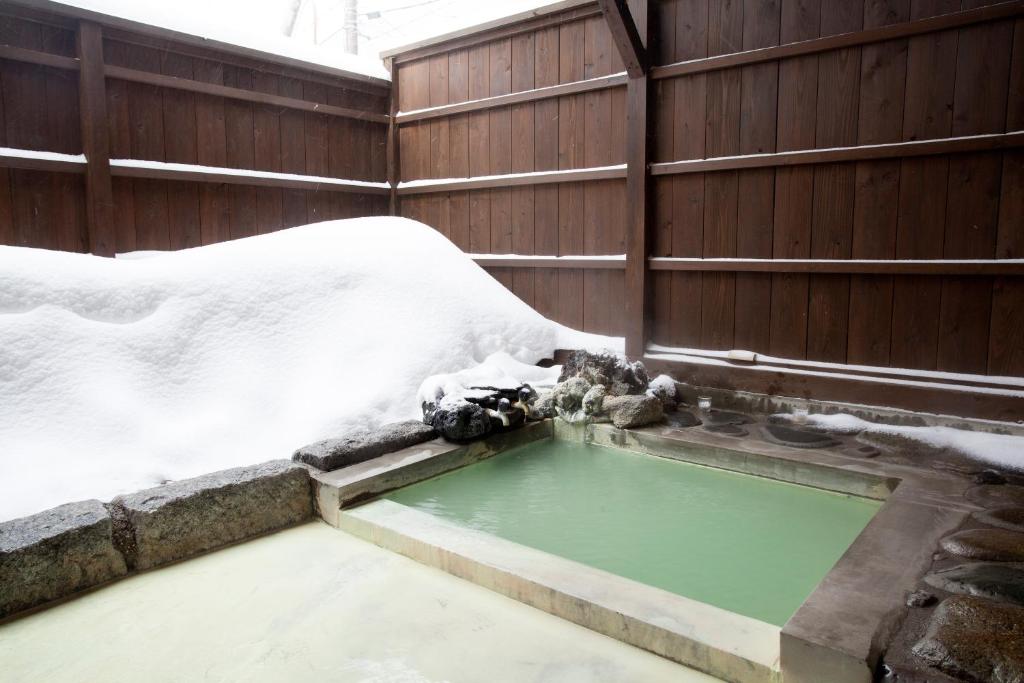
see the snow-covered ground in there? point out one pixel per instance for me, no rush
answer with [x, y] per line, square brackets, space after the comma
[118, 374]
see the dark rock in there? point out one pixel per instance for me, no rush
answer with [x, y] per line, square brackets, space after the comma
[998, 545]
[618, 375]
[56, 553]
[506, 418]
[188, 517]
[920, 599]
[997, 580]
[724, 417]
[1011, 519]
[727, 430]
[633, 411]
[461, 421]
[989, 477]
[994, 496]
[682, 419]
[975, 639]
[798, 438]
[363, 444]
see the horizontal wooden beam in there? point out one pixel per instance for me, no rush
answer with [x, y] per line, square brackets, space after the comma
[970, 143]
[30, 160]
[20, 54]
[136, 76]
[943, 22]
[841, 267]
[926, 396]
[575, 175]
[615, 262]
[574, 88]
[133, 168]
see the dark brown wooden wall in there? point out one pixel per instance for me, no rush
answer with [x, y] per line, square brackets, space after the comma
[39, 110]
[574, 131]
[958, 82]
[965, 206]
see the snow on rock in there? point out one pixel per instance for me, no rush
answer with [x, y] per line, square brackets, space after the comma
[119, 374]
[1001, 450]
[498, 371]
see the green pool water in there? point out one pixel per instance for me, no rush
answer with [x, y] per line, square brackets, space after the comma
[750, 545]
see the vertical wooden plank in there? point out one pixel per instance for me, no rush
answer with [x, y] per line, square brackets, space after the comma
[834, 184]
[119, 135]
[876, 201]
[181, 146]
[756, 188]
[523, 129]
[596, 195]
[458, 157]
[479, 152]
[979, 106]
[499, 140]
[718, 290]
[794, 187]
[241, 153]
[394, 149]
[928, 106]
[662, 102]
[293, 155]
[440, 143]
[318, 204]
[99, 193]
[267, 154]
[211, 150]
[546, 125]
[571, 50]
[145, 110]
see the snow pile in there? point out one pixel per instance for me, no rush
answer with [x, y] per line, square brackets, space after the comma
[1001, 450]
[497, 371]
[117, 375]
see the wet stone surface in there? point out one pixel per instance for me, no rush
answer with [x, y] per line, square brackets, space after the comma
[997, 580]
[798, 438]
[1011, 519]
[904, 445]
[726, 429]
[998, 545]
[920, 599]
[975, 639]
[724, 417]
[996, 495]
[682, 419]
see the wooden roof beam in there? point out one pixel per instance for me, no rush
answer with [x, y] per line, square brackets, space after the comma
[626, 36]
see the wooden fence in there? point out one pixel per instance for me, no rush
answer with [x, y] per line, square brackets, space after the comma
[245, 143]
[827, 183]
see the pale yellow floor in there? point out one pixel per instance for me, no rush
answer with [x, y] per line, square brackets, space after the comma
[311, 604]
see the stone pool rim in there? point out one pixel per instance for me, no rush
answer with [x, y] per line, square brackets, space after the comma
[836, 634]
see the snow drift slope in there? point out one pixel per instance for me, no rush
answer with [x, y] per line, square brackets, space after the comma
[119, 374]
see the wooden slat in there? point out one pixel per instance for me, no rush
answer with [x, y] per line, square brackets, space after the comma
[92, 92]
[623, 28]
[970, 267]
[20, 54]
[137, 76]
[14, 158]
[187, 172]
[803, 157]
[531, 95]
[532, 262]
[515, 180]
[943, 22]
[638, 210]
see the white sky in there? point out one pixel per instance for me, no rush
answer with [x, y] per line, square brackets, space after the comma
[317, 35]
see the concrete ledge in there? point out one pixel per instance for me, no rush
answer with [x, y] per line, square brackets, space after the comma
[340, 488]
[56, 553]
[729, 646]
[189, 517]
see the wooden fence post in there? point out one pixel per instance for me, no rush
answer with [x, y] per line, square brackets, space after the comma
[92, 93]
[393, 146]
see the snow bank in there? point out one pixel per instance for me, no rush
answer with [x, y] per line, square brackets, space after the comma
[118, 374]
[1001, 450]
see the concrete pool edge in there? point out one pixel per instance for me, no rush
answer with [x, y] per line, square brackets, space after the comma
[713, 640]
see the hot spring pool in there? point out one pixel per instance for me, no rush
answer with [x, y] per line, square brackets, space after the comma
[750, 545]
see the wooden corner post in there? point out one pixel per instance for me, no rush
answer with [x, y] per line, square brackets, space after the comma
[631, 38]
[393, 147]
[92, 97]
